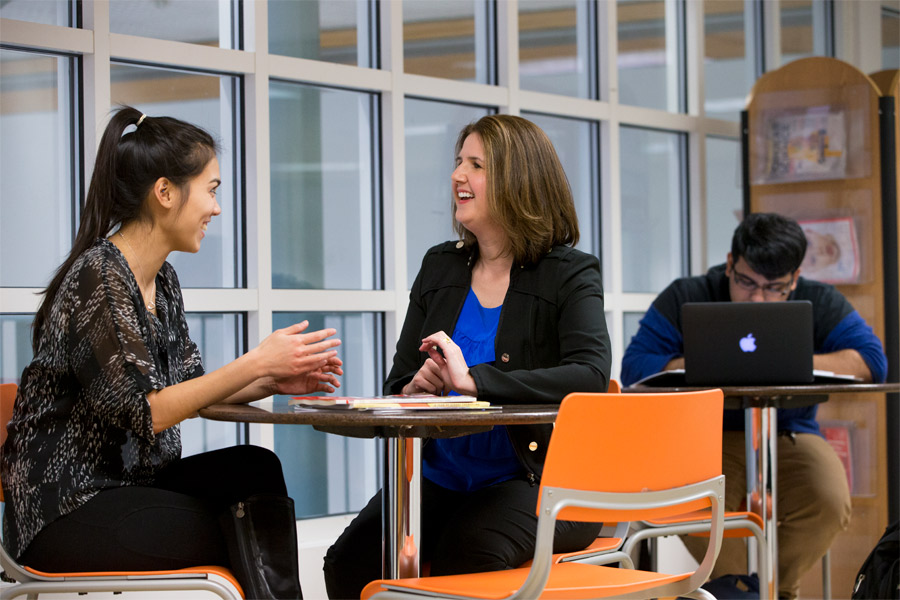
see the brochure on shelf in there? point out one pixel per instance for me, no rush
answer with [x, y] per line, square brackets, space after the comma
[832, 252]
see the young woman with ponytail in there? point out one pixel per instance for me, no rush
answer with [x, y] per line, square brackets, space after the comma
[92, 469]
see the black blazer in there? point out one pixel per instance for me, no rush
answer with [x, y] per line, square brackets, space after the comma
[551, 339]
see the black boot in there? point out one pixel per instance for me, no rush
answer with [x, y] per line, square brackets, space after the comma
[261, 533]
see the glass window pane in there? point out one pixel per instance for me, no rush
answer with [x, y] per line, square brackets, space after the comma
[652, 224]
[449, 39]
[431, 129]
[48, 12]
[631, 322]
[325, 190]
[208, 101]
[796, 30]
[220, 340]
[890, 34]
[37, 194]
[205, 22]
[806, 29]
[332, 474]
[15, 346]
[650, 54]
[724, 196]
[339, 32]
[577, 144]
[556, 47]
[728, 74]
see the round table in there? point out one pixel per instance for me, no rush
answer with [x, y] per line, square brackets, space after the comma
[402, 431]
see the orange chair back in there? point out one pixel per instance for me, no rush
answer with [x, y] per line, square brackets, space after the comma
[635, 443]
[7, 401]
[614, 387]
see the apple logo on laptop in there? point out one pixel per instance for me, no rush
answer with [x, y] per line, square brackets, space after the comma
[748, 343]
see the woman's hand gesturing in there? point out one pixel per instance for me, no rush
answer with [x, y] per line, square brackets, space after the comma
[300, 362]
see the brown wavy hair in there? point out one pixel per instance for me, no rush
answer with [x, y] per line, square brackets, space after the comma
[528, 194]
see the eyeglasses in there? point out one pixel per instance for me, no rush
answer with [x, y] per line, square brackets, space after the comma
[769, 290]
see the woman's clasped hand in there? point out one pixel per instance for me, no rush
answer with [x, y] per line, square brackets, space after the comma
[445, 370]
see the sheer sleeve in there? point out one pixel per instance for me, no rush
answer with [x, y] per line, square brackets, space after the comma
[111, 352]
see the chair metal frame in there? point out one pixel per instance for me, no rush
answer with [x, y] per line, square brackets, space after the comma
[741, 523]
[573, 579]
[31, 582]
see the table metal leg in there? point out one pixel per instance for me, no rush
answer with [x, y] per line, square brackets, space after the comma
[770, 519]
[400, 507]
[760, 440]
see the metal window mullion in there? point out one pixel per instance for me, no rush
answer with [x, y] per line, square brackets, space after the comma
[770, 35]
[257, 201]
[97, 85]
[507, 56]
[587, 44]
[393, 158]
[674, 62]
[485, 38]
[823, 28]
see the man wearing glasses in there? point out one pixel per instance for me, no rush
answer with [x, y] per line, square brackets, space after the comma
[813, 497]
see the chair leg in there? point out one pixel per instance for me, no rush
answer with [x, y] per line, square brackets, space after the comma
[826, 575]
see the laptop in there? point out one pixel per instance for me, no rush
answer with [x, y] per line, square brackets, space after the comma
[746, 343]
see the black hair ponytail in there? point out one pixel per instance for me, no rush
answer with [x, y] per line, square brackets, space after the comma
[125, 170]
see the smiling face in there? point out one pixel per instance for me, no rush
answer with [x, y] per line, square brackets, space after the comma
[470, 185]
[190, 220]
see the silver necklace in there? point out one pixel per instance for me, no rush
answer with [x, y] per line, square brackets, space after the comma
[150, 305]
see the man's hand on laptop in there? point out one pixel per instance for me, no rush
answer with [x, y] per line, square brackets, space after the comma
[844, 362]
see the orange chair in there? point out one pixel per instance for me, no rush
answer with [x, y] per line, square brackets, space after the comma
[744, 524]
[32, 582]
[736, 524]
[631, 474]
[606, 549]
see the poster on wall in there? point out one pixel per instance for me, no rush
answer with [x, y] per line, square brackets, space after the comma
[804, 145]
[832, 252]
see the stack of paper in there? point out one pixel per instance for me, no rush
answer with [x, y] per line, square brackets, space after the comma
[417, 402]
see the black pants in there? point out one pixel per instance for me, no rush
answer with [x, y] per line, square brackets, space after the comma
[172, 525]
[490, 529]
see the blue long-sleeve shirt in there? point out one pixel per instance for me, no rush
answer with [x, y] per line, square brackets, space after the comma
[836, 326]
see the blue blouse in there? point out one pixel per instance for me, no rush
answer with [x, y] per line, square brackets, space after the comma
[474, 461]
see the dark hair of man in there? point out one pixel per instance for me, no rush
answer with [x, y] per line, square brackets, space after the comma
[125, 170]
[528, 194]
[771, 244]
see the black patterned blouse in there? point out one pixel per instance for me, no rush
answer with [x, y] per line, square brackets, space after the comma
[81, 422]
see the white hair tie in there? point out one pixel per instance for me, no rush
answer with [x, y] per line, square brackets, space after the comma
[141, 120]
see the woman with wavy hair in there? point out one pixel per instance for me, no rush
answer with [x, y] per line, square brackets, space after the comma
[510, 313]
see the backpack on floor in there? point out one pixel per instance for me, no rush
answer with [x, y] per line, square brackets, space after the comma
[734, 587]
[879, 576]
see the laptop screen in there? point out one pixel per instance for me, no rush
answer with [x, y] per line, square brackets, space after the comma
[745, 343]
